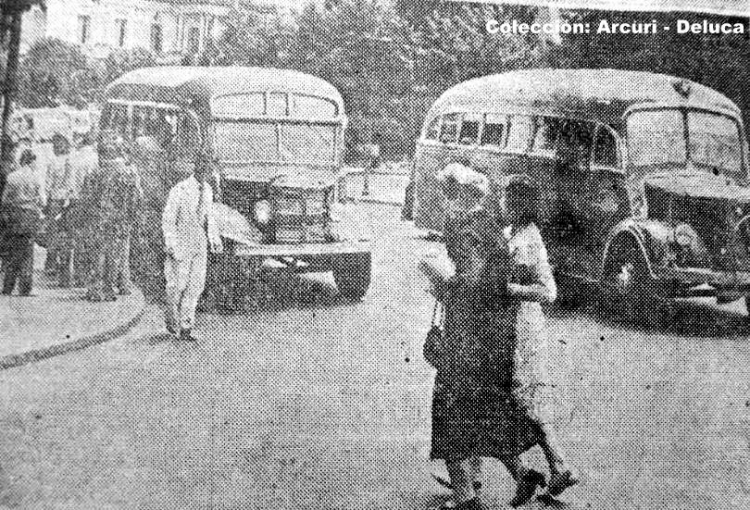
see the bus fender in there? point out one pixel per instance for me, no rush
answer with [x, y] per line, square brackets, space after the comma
[652, 238]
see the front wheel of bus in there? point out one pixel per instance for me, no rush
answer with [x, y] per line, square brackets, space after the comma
[628, 289]
[352, 275]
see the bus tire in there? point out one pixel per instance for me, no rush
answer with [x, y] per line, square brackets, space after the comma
[352, 275]
[628, 289]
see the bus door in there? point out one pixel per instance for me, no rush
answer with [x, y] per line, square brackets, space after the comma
[186, 142]
[606, 196]
[542, 166]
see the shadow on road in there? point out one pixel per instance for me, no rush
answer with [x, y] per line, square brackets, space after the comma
[685, 318]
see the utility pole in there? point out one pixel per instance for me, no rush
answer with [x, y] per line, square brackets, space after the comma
[12, 14]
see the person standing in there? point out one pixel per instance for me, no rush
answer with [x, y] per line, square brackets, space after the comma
[189, 230]
[58, 183]
[22, 203]
[115, 207]
[531, 283]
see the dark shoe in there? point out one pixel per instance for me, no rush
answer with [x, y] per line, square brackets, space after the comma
[472, 504]
[172, 330]
[445, 483]
[187, 336]
[558, 482]
[526, 488]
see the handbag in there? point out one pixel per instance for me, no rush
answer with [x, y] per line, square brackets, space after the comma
[433, 349]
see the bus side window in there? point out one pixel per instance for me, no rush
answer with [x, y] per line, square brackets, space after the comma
[449, 128]
[519, 135]
[545, 139]
[469, 133]
[188, 137]
[605, 148]
[115, 117]
[495, 130]
[433, 130]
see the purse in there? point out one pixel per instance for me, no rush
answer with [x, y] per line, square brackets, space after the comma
[433, 349]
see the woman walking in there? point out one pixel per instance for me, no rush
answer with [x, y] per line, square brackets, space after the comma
[473, 410]
[532, 283]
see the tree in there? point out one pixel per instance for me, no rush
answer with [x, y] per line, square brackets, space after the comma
[120, 62]
[55, 72]
[255, 39]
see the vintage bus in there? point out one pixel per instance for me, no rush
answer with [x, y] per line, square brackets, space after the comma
[643, 176]
[277, 139]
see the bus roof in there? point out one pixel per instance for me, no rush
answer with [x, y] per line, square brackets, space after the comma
[177, 84]
[597, 94]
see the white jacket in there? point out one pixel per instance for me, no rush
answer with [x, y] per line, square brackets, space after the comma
[187, 223]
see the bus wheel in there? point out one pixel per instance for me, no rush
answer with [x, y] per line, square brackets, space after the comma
[628, 289]
[352, 274]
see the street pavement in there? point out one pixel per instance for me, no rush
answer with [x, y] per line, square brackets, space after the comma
[318, 403]
[55, 320]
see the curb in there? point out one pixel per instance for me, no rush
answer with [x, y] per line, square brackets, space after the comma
[369, 200]
[17, 360]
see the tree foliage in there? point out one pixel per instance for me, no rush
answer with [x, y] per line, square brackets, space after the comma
[54, 72]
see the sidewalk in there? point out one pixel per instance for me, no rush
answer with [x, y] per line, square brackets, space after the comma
[54, 321]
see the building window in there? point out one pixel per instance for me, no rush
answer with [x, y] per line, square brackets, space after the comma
[156, 38]
[122, 31]
[84, 29]
[194, 37]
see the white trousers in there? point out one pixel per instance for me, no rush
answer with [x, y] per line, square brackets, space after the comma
[185, 282]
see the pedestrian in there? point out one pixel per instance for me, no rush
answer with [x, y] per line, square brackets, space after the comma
[58, 187]
[372, 153]
[84, 163]
[532, 283]
[21, 214]
[114, 197]
[189, 229]
[473, 410]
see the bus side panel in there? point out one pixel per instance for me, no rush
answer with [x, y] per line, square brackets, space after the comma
[429, 207]
[543, 170]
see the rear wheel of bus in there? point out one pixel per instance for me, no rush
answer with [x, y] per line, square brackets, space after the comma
[352, 274]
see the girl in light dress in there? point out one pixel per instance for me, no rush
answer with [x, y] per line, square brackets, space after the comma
[531, 283]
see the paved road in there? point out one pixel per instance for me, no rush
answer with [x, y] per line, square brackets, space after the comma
[321, 404]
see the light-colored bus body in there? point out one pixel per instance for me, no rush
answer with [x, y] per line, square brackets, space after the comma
[277, 138]
[601, 145]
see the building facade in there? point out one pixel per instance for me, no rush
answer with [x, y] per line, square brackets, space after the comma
[162, 26]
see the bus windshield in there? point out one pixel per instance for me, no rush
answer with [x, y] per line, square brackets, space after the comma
[659, 137]
[275, 143]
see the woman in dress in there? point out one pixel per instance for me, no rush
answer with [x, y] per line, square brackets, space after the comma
[473, 409]
[532, 283]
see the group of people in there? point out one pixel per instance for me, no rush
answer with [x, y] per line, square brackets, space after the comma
[492, 396]
[83, 207]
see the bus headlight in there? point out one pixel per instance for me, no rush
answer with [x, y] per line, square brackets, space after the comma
[684, 235]
[263, 212]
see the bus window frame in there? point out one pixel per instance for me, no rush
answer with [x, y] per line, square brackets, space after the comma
[438, 120]
[290, 114]
[545, 153]
[459, 117]
[473, 117]
[593, 165]
[529, 137]
[506, 125]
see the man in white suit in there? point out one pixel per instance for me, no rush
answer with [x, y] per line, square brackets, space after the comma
[189, 230]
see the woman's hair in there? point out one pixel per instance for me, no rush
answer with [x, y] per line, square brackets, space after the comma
[27, 157]
[522, 196]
